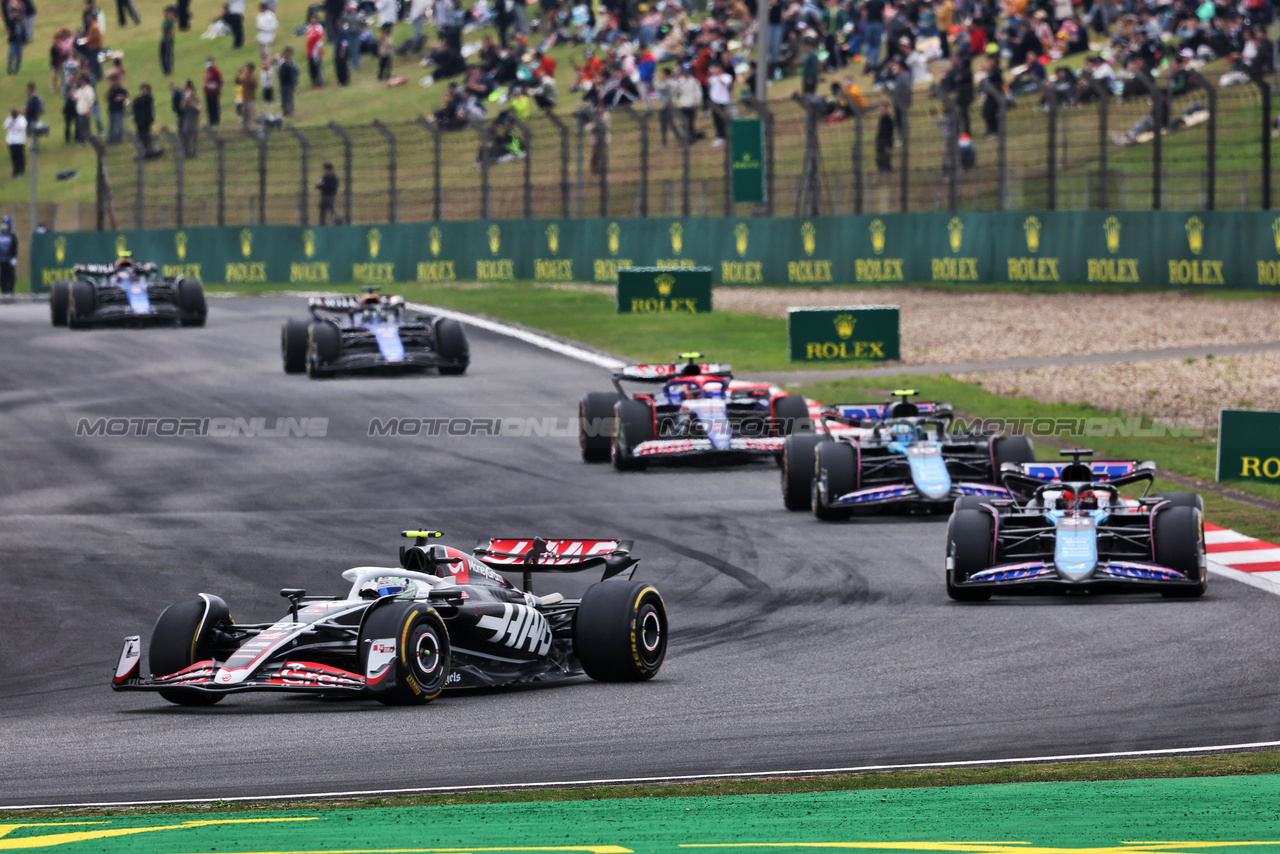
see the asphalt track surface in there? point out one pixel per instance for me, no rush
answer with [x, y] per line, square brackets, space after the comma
[795, 644]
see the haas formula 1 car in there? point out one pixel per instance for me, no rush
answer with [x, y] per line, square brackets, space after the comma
[125, 293]
[899, 454]
[1066, 528]
[442, 619]
[700, 411]
[371, 333]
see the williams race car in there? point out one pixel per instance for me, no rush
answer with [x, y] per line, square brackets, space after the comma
[125, 293]
[370, 333]
[442, 619]
[700, 411]
[1066, 529]
[900, 454]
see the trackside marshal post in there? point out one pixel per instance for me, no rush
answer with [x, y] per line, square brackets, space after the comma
[664, 290]
[854, 333]
[1248, 445]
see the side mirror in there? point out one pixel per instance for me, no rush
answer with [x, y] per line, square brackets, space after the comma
[1145, 465]
[1013, 468]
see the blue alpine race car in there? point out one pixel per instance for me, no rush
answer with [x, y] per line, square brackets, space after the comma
[1066, 528]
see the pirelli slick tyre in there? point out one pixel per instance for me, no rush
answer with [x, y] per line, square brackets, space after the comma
[1011, 449]
[969, 502]
[293, 346]
[452, 344]
[59, 299]
[791, 415]
[1179, 544]
[596, 425]
[620, 631]
[417, 641]
[184, 635]
[81, 305]
[969, 537]
[192, 309]
[1182, 499]
[835, 465]
[324, 346]
[797, 470]
[633, 424]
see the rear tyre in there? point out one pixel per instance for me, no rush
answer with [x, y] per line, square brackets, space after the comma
[1179, 545]
[451, 344]
[969, 535]
[791, 415]
[836, 468]
[596, 425]
[1182, 499]
[59, 299]
[423, 654]
[1012, 449]
[81, 305]
[324, 345]
[620, 631]
[797, 470]
[192, 309]
[293, 346]
[184, 635]
[633, 424]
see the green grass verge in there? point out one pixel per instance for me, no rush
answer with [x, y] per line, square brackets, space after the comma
[1222, 765]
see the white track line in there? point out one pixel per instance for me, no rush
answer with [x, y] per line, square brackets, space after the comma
[684, 778]
[525, 335]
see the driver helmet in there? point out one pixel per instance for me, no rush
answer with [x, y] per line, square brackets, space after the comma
[386, 585]
[1090, 499]
[125, 260]
[691, 392]
[369, 301]
[1066, 500]
[901, 431]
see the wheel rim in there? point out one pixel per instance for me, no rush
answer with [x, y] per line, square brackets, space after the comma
[651, 636]
[426, 652]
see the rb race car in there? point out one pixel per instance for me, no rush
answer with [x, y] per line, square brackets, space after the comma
[442, 619]
[126, 294]
[902, 454]
[370, 333]
[1066, 529]
[701, 411]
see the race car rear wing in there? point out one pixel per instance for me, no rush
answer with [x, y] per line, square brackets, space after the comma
[870, 414]
[1019, 477]
[535, 554]
[661, 373]
[109, 269]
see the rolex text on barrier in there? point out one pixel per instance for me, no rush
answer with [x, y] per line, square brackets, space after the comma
[1248, 445]
[854, 333]
[664, 290]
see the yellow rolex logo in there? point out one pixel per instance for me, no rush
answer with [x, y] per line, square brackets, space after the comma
[246, 242]
[122, 244]
[553, 238]
[180, 243]
[1195, 235]
[1112, 229]
[844, 324]
[495, 238]
[309, 243]
[434, 236]
[665, 283]
[1275, 232]
[677, 237]
[1031, 227]
[955, 232]
[809, 237]
[741, 233]
[877, 236]
[375, 243]
[614, 232]
[60, 247]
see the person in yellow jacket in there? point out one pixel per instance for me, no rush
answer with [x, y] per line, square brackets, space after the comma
[855, 94]
[945, 12]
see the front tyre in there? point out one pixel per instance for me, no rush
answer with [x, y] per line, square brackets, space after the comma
[59, 299]
[186, 633]
[192, 309]
[419, 668]
[1011, 449]
[82, 304]
[596, 425]
[324, 345]
[1179, 544]
[293, 346]
[835, 467]
[452, 345]
[797, 470]
[620, 631]
[969, 540]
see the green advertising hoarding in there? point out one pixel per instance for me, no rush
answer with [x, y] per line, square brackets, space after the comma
[1248, 445]
[747, 158]
[853, 333]
[664, 290]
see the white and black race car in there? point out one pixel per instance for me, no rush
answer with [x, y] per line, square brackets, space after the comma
[441, 619]
[371, 333]
[126, 293]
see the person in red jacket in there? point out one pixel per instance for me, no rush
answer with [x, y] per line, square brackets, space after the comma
[315, 52]
[213, 91]
[546, 69]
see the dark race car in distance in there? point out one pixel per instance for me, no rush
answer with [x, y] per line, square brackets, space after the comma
[700, 411]
[1066, 528]
[371, 333]
[903, 454]
[126, 293]
[441, 619]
